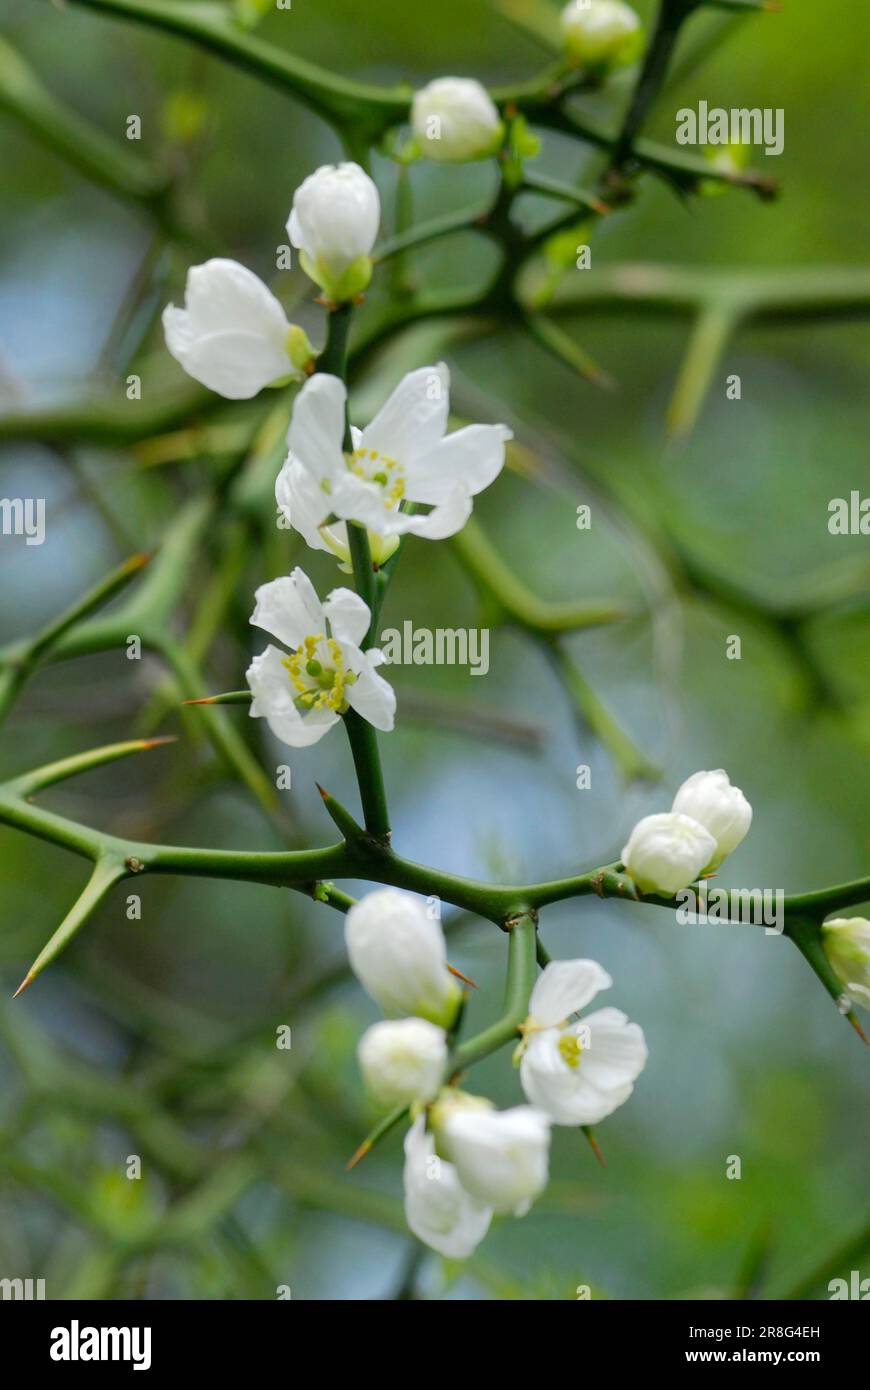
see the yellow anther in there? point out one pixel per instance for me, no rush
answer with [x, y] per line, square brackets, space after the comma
[570, 1049]
[319, 685]
[385, 472]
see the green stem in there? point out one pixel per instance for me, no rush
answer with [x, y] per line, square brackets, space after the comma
[521, 972]
[671, 16]
[369, 774]
[361, 734]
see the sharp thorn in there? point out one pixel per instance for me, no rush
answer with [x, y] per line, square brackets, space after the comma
[138, 562]
[358, 1156]
[594, 1146]
[466, 980]
[28, 980]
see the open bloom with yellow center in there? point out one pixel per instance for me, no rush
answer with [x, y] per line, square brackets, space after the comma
[578, 1073]
[232, 334]
[302, 695]
[402, 461]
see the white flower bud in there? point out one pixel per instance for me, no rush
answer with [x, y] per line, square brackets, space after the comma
[710, 799]
[232, 334]
[437, 1208]
[667, 852]
[846, 941]
[456, 120]
[601, 31]
[334, 222]
[403, 1060]
[397, 953]
[501, 1157]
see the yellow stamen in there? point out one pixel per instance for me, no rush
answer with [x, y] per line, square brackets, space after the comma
[378, 468]
[319, 685]
[570, 1049]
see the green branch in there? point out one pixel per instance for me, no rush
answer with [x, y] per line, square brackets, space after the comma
[339, 100]
[521, 972]
[72, 137]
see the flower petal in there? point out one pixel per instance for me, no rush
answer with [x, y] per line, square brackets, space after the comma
[564, 987]
[236, 365]
[565, 1093]
[617, 1052]
[370, 695]
[222, 295]
[413, 418]
[437, 1209]
[354, 499]
[472, 457]
[288, 608]
[348, 616]
[316, 432]
[306, 506]
[273, 701]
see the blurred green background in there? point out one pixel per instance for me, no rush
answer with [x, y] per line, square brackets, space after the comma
[156, 1037]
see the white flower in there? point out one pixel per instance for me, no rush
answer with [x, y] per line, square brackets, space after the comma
[403, 1060]
[601, 31]
[710, 799]
[403, 456]
[437, 1208]
[334, 222]
[501, 1156]
[232, 334]
[667, 852]
[397, 953]
[455, 119]
[303, 695]
[847, 945]
[578, 1073]
[301, 501]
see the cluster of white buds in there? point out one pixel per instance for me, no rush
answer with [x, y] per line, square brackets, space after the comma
[401, 475]
[708, 820]
[465, 1160]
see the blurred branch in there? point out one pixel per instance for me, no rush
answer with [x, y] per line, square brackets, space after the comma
[497, 580]
[545, 622]
[19, 663]
[73, 137]
[720, 302]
